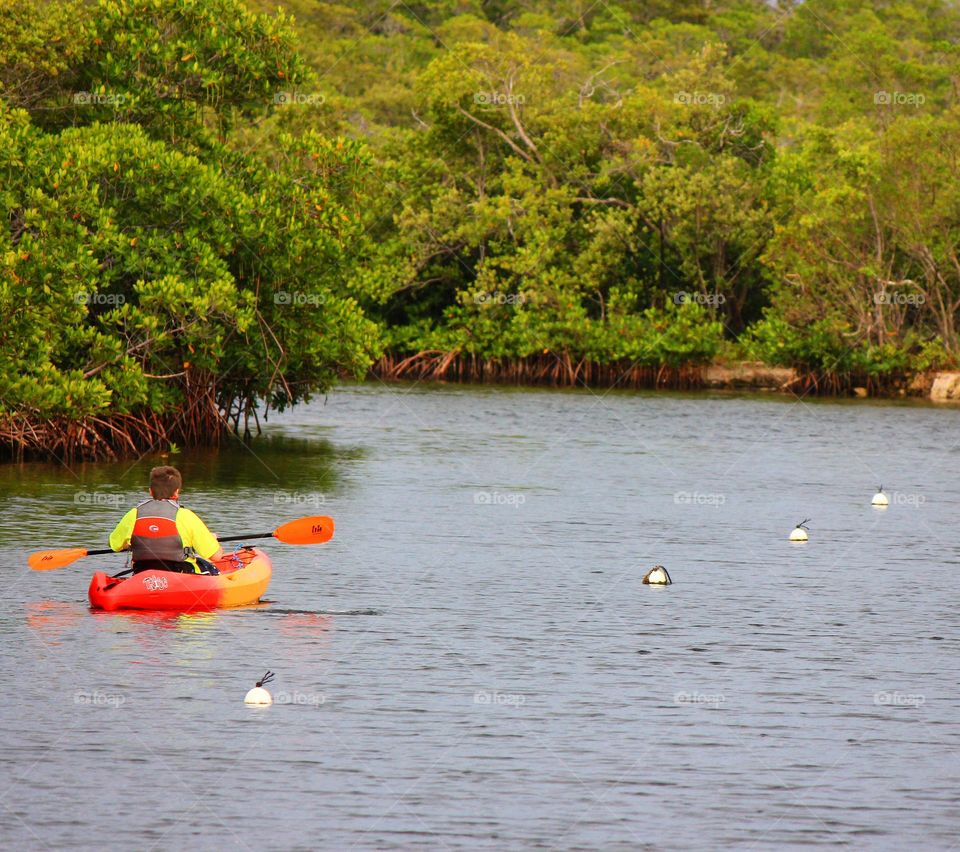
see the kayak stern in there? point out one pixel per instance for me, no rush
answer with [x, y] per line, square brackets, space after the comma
[243, 579]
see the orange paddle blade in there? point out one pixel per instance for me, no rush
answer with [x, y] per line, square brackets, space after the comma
[47, 560]
[313, 530]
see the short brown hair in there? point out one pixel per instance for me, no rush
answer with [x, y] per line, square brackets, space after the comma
[164, 482]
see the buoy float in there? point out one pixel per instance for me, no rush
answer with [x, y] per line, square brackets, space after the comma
[258, 695]
[880, 499]
[800, 531]
[657, 576]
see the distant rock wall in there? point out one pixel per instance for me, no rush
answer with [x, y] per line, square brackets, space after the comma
[946, 387]
[748, 374]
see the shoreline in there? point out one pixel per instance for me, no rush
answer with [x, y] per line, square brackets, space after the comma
[112, 437]
[554, 371]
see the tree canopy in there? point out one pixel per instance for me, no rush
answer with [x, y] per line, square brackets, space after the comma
[149, 269]
[214, 207]
[773, 177]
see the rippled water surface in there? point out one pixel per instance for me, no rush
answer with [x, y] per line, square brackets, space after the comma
[473, 662]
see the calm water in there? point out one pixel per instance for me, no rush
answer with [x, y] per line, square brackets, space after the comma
[473, 663]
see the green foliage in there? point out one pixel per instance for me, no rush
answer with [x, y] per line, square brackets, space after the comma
[560, 161]
[149, 269]
[255, 202]
[178, 68]
[135, 266]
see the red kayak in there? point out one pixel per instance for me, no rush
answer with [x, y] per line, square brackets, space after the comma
[243, 579]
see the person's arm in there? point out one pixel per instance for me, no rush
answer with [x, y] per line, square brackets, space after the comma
[122, 532]
[195, 534]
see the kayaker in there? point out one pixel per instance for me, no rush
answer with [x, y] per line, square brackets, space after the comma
[164, 535]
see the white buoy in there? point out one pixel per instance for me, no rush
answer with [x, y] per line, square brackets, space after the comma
[258, 695]
[880, 499]
[657, 576]
[800, 532]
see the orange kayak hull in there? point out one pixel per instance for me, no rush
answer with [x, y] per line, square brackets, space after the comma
[243, 579]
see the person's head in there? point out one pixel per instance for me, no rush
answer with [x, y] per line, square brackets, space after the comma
[165, 483]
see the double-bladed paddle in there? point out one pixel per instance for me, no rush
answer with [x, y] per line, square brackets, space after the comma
[311, 530]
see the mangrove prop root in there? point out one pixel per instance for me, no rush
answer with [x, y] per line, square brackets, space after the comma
[561, 370]
[108, 437]
[558, 370]
[201, 419]
[842, 384]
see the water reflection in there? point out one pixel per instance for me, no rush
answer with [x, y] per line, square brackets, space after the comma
[161, 639]
[124, 620]
[307, 624]
[51, 620]
[52, 505]
[272, 461]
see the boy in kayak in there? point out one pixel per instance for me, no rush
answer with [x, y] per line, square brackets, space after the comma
[164, 535]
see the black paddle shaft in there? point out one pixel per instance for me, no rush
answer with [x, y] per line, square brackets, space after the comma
[245, 537]
[228, 538]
